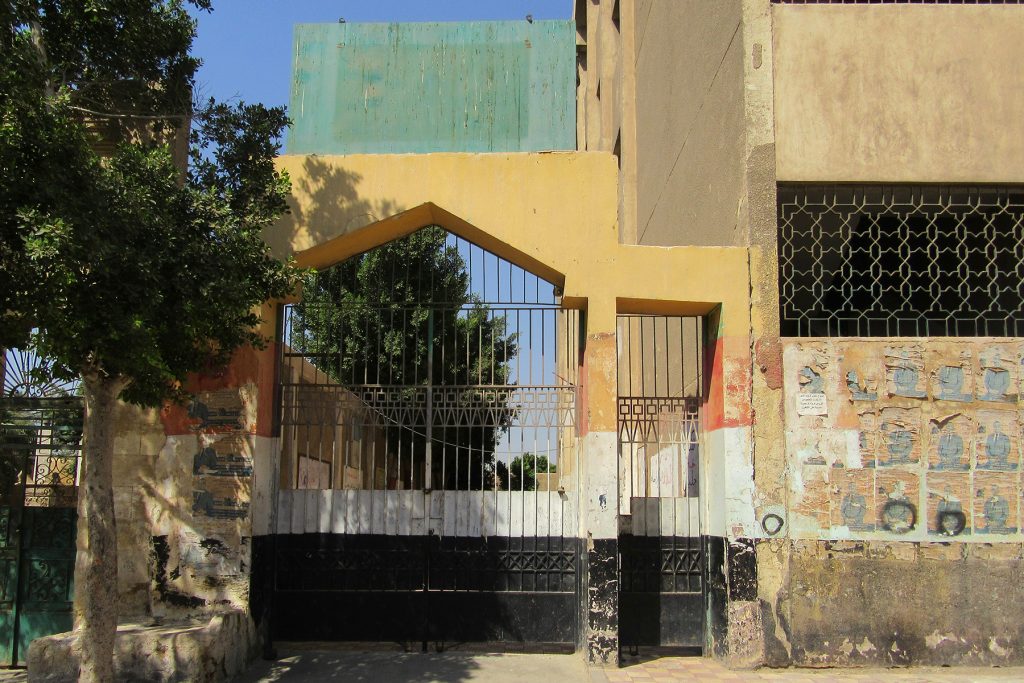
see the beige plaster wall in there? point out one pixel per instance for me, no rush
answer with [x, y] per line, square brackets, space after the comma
[138, 442]
[899, 92]
[182, 505]
[690, 121]
[880, 603]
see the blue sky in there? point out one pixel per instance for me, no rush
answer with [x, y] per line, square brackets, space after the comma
[245, 45]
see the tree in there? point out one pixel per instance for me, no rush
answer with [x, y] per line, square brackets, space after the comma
[120, 267]
[523, 471]
[403, 315]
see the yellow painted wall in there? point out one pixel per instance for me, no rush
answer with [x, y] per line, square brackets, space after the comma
[899, 92]
[552, 213]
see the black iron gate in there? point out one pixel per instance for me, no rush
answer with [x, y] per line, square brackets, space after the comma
[424, 589]
[40, 435]
[429, 477]
[661, 557]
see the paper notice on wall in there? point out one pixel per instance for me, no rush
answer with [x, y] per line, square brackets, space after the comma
[811, 404]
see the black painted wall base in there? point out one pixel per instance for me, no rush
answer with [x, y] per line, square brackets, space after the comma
[602, 607]
[426, 589]
[732, 576]
[661, 619]
[717, 610]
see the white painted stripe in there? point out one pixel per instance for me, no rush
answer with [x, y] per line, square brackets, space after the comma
[665, 517]
[451, 513]
[312, 520]
[364, 500]
[298, 520]
[338, 504]
[324, 522]
[285, 500]
[351, 512]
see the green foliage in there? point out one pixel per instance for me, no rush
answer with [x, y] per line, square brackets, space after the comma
[523, 470]
[38, 444]
[123, 264]
[402, 315]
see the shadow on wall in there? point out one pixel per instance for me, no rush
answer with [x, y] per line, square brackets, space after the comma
[334, 207]
[197, 497]
[200, 531]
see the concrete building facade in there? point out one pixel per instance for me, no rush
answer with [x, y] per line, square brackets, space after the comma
[783, 243]
[851, 149]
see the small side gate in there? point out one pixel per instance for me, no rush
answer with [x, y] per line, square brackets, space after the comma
[661, 557]
[40, 441]
[429, 476]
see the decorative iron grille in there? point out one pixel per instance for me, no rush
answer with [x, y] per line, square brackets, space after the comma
[40, 434]
[912, 260]
[659, 388]
[428, 401]
[661, 565]
[41, 422]
[661, 557]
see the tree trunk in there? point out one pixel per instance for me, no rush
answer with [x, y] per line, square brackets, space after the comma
[96, 562]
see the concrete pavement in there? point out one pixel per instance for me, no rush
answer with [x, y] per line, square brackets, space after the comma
[402, 667]
[394, 666]
[453, 666]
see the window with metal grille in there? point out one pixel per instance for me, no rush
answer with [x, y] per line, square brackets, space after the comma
[901, 260]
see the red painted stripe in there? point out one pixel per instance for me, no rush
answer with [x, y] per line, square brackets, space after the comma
[247, 366]
[728, 384]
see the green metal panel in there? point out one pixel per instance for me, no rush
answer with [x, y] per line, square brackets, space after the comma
[40, 441]
[9, 557]
[46, 576]
[433, 87]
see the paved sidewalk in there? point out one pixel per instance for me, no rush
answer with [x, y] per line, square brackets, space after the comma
[454, 666]
[409, 667]
[667, 668]
[393, 666]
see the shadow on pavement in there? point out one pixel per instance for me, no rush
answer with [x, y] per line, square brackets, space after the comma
[369, 667]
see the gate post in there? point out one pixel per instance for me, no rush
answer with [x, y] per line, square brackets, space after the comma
[600, 504]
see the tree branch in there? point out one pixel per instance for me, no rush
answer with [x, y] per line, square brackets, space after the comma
[111, 115]
[36, 31]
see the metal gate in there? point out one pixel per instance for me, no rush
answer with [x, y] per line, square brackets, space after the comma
[429, 474]
[661, 566]
[40, 442]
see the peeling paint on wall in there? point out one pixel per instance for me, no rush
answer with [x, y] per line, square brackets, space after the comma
[199, 503]
[922, 438]
[904, 371]
[900, 437]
